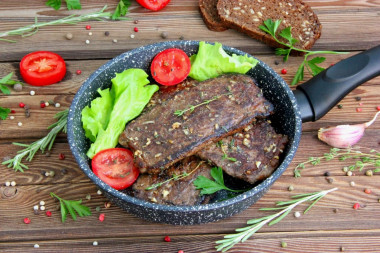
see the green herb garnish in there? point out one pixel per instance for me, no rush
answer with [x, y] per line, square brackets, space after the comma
[121, 9]
[30, 30]
[362, 160]
[209, 186]
[174, 177]
[71, 4]
[4, 112]
[271, 28]
[225, 156]
[192, 107]
[255, 224]
[72, 207]
[5, 81]
[42, 144]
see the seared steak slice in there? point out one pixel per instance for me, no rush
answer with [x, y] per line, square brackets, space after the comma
[211, 110]
[174, 192]
[257, 151]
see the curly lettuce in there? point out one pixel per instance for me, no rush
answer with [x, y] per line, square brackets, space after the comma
[212, 61]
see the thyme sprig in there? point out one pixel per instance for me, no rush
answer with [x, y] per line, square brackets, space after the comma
[225, 156]
[361, 159]
[271, 28]
[255, 224]
[30, 30]
[42, 144]
[191, 108]
[173, 177]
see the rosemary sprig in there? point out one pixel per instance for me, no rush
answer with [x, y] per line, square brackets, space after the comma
[174, 177]
[46, 142]
[30, 30]
[371, 158]
[7, 81]
[205, 102]
[255, 224]
[271, 27]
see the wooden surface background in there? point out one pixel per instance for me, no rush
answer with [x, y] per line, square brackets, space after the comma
[331, 226]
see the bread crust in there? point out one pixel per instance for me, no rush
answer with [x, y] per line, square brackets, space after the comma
[210, 16]
[247, 15]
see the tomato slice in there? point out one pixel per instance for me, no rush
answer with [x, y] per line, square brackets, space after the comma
[115, 167]
[42, 68]
[154, 5]
[170, 66]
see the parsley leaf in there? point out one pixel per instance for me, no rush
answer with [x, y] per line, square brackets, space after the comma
[315, 69]
[73, 207]
[71, 4]
[121, 9]
[271, 28]
[4, 112]
[6, 80]
[209, 186]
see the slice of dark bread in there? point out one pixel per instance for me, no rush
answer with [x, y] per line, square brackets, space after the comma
[210, 15]
[247, 15]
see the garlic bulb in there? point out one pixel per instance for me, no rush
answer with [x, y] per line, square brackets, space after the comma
[344, 136]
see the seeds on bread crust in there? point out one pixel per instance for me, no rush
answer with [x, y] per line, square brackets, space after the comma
[247, 15]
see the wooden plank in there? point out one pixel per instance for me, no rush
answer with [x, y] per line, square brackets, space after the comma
[20, 205]
[324, 241]
[172, 19]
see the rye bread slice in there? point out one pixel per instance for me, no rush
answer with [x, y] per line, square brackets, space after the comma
[210, 15]
[247, 15]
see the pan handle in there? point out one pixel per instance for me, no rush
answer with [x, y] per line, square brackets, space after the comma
[322, 92]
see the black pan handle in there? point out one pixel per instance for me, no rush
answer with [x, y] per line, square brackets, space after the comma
[322, 92]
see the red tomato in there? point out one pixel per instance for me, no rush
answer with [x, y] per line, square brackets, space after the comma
[42, 68]
[115, 167]
[170, 66]
[154, 5]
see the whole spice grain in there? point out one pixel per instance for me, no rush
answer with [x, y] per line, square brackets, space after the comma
[27, 220]
[340, 106]
[284, 71]
[167, 239]
[284, 244]
[164, 35]
[358, 98]
[102, 216]
[61, 156]
[356, 206]
[69, 36]
[368, 191]
[107, 33]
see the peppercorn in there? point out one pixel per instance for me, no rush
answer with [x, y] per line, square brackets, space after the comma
[276, 62]
[69, 36]
[284, 71]
[181, 37]
[78, 72]
[358, 98]
[369, 173]
[88, 27]
[180, 251]
[61, 156]
[98, 209]
[290, 188]
[63, 171]
[106, 33]
[284, 244]
[340, 106]
[167, 239]
[88, 196]
[48, 213]
[349, 173]
[164, 35]
[330, 180]
[356, 206]
[378, 108]
[101, 217]
[95, 243]
[368, 191]
[17, 87]
[107, 204]
[136, 21]
[42, 105]
[359, 109]
[335, 210]
[327, 174]
[21, 105]
[136, 29]
[297, 214]
[27, 220]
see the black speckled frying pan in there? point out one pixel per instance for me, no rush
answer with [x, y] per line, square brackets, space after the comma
[309, 102]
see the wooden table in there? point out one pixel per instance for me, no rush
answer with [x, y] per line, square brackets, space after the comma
[331, 226]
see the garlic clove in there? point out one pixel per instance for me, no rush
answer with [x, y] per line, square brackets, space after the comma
[344, 136]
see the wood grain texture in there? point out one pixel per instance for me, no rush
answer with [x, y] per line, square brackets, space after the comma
[332, 225]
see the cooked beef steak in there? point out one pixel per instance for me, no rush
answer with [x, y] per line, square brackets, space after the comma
[212, 110]
[174, 192]
[257, 151]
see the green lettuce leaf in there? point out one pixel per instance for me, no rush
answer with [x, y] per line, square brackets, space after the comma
[131, 94]
[97, 117]
[212, 61]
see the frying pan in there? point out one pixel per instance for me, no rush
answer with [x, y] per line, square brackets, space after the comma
[309, 102]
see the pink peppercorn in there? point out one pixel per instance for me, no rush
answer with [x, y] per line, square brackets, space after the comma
[48, 213]
[284, 71]
[79, 72]
[61, 156]
[42, 105]
[22, 105]
[378, 108]
[136, 29]
[359, 109]
[368, 191]
[180, 251]
[102, 217]
[167, 239]
[356, 206]
[27, 220]
[88, 27]
[13, 111]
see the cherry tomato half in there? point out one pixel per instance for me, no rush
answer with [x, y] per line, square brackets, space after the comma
[170, 66]
[115, 167]
[42, 68]
[154, 5]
